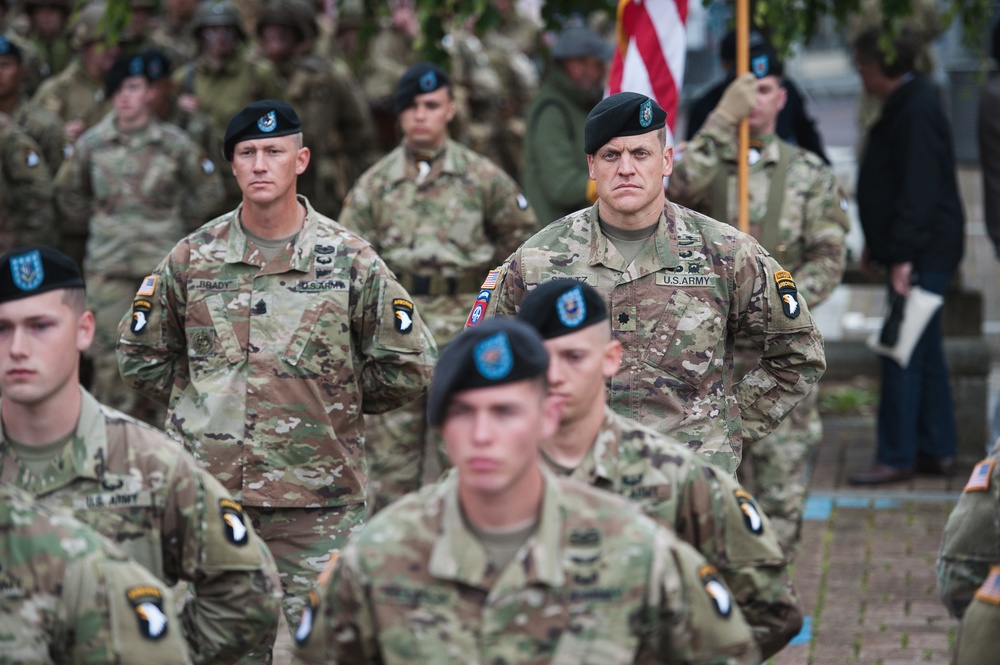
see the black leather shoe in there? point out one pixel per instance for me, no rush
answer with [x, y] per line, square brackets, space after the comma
[929, 466]
[879, 474]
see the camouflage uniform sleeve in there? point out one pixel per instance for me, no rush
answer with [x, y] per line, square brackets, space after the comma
[777, 322]
[510, 220]
[398, 351]
[971, 541]
[338, 623]
[150, 360]
[723, 521]
[694, 170]
[509, 292]
[698, 620]
[203, 185]
[74, 194]
[30, 206]
[825, 227]
[209, 541]
[116, 611]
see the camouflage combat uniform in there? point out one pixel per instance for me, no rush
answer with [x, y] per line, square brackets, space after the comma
[676, 310]
[439, 234]
[27, 214]
[706, 508]
[970, 544]
[46, 128]
[977, 637]
[69, 596]
[268, 368]
[596, 583]
[177, 41]
[805, 233]
[133, 485]
[132, 195]
[72, 95]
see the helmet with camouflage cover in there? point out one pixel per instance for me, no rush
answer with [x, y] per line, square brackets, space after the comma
[218, 13]
[88, 26]
[295, 14]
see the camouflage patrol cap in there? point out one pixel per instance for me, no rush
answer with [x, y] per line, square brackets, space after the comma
[562, 306]
[7, 47]
[494, 353]
[263, 119]
[579, 41]
[34, 269]
[621, 114]
[419, 79]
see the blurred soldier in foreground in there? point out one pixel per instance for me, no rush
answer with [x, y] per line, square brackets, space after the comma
[799, 215]
[70, 597]
[132, 188]
[679, 287]
[672, 484]
[507, 562]
[268, 333]
[440, 215]
[126, 480]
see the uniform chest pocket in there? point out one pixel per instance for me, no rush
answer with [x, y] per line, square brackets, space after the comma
[211, 347]
[684, 341]
[321, 342]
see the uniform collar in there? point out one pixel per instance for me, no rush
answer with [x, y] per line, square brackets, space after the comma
[600, 466]
[459, 557]
[451, 161]
[239, 250]
[83, 458]
[664, 253]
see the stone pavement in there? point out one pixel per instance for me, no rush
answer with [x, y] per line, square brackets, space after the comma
[865, 568]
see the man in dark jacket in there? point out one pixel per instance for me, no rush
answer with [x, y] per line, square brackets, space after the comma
[914, 226]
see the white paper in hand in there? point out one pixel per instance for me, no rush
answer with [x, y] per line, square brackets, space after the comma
[920, 306]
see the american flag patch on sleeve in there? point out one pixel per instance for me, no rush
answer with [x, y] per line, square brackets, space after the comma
[148, 286]
[979, 480]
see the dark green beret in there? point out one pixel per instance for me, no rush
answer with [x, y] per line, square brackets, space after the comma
[419, 79]
[496, 352]
[562, 306]
[7, 47]
[264, 119]
[33, 269]
[622, 114]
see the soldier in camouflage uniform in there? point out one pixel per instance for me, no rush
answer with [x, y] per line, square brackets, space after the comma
[126, 480]
[76, 94]
[269, 332]
[672, 484]
[977, 637]
[679, 287]
[45, 127]
[507, 563]
[26, 210]
[47, 21]
[440, 215]
[338, 127]
[69, 596]
[798, 214]
[174, 34]
[132, 188]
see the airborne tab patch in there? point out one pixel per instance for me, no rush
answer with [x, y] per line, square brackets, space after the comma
[403, 311]
[979, 479]
[788, 293]
[140, 315]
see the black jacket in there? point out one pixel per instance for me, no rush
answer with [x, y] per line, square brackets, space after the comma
[907, 191]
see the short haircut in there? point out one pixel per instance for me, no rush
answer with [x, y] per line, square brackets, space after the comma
[75, 299]
[893, 62]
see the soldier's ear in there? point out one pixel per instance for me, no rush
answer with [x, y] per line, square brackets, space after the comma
[302, 160]
[85, 327]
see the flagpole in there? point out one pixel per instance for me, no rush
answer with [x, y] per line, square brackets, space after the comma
[743, 147]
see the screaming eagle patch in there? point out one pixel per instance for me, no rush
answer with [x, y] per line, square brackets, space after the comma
[751, 516]
[402, 309]
[140, 315]
[147, 602]
[788, 293]
[716, 590]
[234, 524]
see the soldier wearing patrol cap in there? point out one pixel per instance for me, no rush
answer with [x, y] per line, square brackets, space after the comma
[799, 214]
[70, 596]
[679, 286]
[555, 172]
[131, 189]
[128, 481]
[268, 333]
[440, 215]
[508, 562]
[673, 485]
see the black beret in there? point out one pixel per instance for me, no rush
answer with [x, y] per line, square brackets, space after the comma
[562, 306]
[124, 66]
[621, 114]
[496, 352]
[419, 79]
[33, 269]
[156, 63]
[260, 120]
[7, 47]
[764, 59]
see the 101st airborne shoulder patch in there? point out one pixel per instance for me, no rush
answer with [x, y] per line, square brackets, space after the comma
[788, 293]
[402, 310]
[989, 592]
[716, 590]
[751, 516]
[979, 479]
[147, 602]
[234, 524]
[306, 621]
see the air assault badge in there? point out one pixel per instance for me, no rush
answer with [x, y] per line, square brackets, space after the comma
[788, 293]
